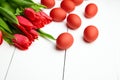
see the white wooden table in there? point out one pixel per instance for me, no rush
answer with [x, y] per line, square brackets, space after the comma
[99, 60]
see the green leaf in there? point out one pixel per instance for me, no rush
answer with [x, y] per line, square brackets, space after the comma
[8, 6]
[8, 40]
[45, 35]
[19, 11]
[6, 34]
[22, 3]
[1, 1]
[37, 7]
[10, 17]
[4, 25]
[29, 0]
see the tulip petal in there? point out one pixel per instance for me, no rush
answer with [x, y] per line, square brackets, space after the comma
[21, 41]
[29, 13]
[25, 22]
[1, 39]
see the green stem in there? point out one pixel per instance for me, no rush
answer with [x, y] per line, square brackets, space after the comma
[7, 36]
[45, 35]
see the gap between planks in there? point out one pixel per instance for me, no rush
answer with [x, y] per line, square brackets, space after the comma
[9, 65]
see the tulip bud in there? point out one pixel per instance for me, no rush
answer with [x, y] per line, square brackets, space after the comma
[25, 22]
[34, 33]
[38, 19]
[41, 19]
[1, 39]
[29, 13]
[21, 41]
[48, 18]
[25, 32]
[38, 24]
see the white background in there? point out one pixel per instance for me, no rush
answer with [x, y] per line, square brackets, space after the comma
[99, 60]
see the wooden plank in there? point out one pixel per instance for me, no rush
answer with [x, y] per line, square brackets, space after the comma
[98, 60]
[41, 61]
[6, 52]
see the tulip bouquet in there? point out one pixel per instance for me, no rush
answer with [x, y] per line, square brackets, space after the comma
[21, 22]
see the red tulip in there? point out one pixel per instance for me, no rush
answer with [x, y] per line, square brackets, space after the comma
[30, 13]
[38, 23]
[25, 32]
[21, 41]
[38, 19]
[25, 22]
[1, 39]
[34, 33]
[48, 18]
